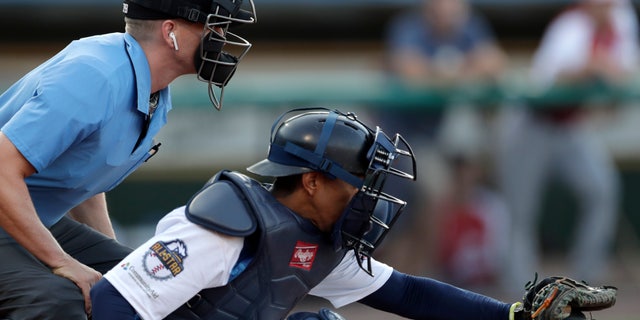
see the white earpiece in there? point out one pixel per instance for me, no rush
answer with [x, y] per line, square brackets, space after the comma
[173, 37]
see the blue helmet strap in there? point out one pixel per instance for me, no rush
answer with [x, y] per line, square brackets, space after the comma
[316, 158]
[320, 163]
[327, 129]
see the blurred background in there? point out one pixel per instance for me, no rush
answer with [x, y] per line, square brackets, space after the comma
[460, 114]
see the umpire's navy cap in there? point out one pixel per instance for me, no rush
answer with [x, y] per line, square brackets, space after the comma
[135, 11]
[190, 10]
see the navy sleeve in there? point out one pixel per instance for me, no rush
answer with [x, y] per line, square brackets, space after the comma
[423, 298]
[108, 304]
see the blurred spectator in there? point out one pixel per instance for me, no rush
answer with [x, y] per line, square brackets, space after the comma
[472, 224]
[471, 217]
[439, 47]
[442, 43]
[592, 41]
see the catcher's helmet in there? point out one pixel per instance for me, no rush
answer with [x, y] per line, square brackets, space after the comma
[317, 140]
[342, 147]
[213, 65]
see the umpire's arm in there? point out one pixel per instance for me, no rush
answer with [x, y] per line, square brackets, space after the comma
[19, 219]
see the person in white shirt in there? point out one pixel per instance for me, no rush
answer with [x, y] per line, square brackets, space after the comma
[594, 42]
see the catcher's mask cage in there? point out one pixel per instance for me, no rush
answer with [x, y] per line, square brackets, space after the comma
[372, 212]
[213, 65]
[341, 146]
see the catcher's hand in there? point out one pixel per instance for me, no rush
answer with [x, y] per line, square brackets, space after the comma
[557, 298]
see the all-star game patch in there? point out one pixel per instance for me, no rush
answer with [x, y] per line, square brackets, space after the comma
[164, 260]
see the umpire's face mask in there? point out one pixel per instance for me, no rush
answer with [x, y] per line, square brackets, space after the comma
[218, 56]
[214, 65]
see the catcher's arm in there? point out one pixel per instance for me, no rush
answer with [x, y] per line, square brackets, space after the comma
[561, 298]
[416, 297]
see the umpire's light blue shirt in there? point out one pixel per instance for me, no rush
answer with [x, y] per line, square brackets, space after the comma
[76, 118]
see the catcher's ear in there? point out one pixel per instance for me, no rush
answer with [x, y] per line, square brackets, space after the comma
[310, 181]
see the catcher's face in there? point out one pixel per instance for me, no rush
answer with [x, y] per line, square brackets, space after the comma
[330, 199]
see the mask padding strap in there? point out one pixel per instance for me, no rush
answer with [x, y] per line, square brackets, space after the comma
[229, 6]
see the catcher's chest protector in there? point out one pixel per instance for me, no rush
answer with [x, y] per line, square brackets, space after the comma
[290, 257]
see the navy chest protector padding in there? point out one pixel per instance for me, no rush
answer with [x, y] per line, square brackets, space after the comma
[289, 255]
[222, 207]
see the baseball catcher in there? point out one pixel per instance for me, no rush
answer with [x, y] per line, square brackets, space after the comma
[241, 249]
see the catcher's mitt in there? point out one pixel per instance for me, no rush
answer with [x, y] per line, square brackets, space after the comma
[557, 298]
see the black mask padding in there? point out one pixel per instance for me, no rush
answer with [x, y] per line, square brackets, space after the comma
[384, 213]
[228, 7]
[211, 69]
[355, 222]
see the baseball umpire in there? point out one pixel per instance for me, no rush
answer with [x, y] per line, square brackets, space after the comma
[77, 125]
[240, 249]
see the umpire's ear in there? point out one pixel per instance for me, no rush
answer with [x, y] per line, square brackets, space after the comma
[169, 28]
